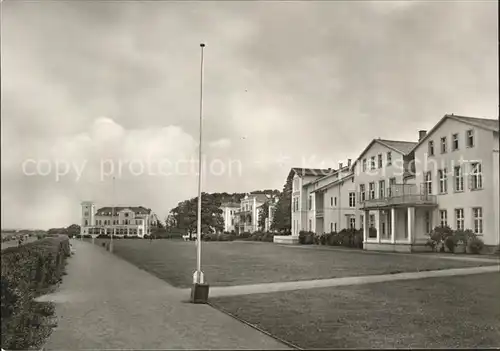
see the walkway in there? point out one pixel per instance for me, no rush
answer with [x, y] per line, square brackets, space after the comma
[323, 283]
[107, 303]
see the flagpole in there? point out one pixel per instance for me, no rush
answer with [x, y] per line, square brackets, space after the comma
[113, 218]
[199, 293]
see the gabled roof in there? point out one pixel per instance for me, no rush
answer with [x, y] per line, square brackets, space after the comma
[302, 172]
[135, 209]
[335, 182]
[400, 146]
[483, 123]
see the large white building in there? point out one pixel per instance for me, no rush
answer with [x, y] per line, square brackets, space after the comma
[119, 221]
[246, 218]
[403, 189]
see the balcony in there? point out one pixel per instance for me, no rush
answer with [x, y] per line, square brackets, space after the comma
[320, 212]
[403, 195]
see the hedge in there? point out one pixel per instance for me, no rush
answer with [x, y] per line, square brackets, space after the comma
[29, 271]
[256, 236]
[346, 237]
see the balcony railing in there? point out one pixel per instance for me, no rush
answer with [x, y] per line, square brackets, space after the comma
[407, 199]
[320, 212]
[400, 194]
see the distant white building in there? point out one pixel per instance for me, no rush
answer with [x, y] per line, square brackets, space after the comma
[229, 214]
[249, 212]
[119, 221]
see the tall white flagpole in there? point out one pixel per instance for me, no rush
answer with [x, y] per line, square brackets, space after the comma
[198, 276]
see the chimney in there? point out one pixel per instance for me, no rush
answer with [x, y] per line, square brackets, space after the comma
[348, 162]
[340, 165]
[421, 134]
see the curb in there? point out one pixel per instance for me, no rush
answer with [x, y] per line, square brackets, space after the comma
[293, 346]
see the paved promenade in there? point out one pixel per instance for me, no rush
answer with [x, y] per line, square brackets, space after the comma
[107, 303]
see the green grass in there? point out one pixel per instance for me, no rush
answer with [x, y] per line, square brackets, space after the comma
[449, 312]
[238, 263]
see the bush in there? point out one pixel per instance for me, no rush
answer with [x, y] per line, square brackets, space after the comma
[437, 238]
[475, 245]
[29, 271]
[244, 235]
[306, 238]
[450, 242]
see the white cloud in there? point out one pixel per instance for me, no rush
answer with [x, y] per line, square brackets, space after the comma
[221, 143]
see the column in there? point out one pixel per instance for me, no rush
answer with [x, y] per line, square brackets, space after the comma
[378, 225]
[393, 225]
[411, 224]
[366, 224]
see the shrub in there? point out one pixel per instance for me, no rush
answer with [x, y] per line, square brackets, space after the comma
[475, 245]
[29, 271]
[306, 238]
[437, 238]
[244, 235]
[450, 242]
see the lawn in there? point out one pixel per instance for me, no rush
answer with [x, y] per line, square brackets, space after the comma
[450, 312]
[238, 263]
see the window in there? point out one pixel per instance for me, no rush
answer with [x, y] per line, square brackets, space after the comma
[470, 138]
[477, 213]
[361, 221]
[371, 190]
[459, 218]
[443, 181]
[364, 165]
[352, 199]
[352, 222]
[431, 148]
[372, 162]
[331, 201]
[335, 227]
[335, 202]
[86, 213]
[331, 227]
[443, 145]
[381, 189]
[310, 225]
[476, 176]
[389, 158]
[459, 179]
[86, 222]
[362, 192]
[428, 226]
[372, 221]
[392, 182]
[454, 145]
[310, 201]
[380, 161]
[126, 214]
[443, 216]
[428, 183]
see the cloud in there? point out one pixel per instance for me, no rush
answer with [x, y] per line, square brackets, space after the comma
[92, 81]
[221, 143]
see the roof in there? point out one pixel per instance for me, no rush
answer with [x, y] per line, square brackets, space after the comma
[484, 123]
[230, 204]
[335, 182]
[400, 146]
[135, 209]
[312, 171]
[260, 197]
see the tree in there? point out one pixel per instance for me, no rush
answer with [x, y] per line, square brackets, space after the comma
[282, 220]
[186, 213]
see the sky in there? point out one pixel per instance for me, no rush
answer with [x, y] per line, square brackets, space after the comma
[95, 90]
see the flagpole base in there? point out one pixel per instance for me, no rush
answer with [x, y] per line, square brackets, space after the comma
[200, 289]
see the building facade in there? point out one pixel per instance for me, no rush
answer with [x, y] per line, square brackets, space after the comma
[229, 214]
[249, 213]
[117, 221]
[399, 191]
[458, 162]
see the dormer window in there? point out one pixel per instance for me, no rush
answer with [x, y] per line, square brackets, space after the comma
[470, 138]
